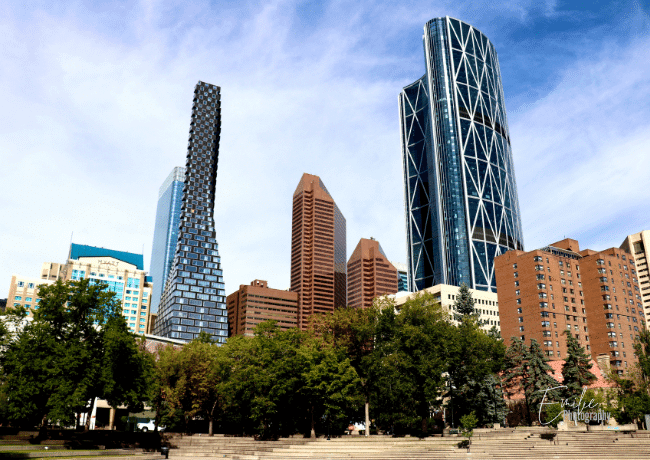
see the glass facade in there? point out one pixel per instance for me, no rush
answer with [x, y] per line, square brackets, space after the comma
[193, 298]
[165, 235]
[461, 199]
[402, 281]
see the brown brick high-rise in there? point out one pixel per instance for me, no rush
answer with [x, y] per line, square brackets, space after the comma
[591, 294]
[370, 274]
[318, 270]
[251, 305]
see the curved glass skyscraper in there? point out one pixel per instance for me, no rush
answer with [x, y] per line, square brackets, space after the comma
[461, 199]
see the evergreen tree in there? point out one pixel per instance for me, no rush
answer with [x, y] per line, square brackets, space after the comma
[575, 371]
[472, 356]
[526, 370]
[537, 379]
[486, 400]
[515, 366]
[464, 304]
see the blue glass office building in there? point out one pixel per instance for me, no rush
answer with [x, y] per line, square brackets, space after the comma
[165, 234]
[193, 298]
[461, 199]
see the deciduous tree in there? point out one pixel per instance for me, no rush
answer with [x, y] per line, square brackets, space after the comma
[75, 345]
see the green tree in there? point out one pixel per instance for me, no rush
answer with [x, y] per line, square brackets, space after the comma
[485, 398]
[331, 384]
[473, 357]
[527, 371]
[31, 377]
[514, 366]
[191, 376]
[537, 380]
[633, 391]
[468, 422]
[553, 414]
[464, 304]
[642, 352]
[354, 330]
[76, 344]
[410, 362]
[576, 369]
[632, 400]
[262, 393]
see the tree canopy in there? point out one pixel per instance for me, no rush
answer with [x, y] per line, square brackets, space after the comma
[76, 349]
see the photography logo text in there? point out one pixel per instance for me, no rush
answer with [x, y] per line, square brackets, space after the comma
[574, 409]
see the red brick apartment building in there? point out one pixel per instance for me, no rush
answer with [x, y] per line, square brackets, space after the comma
[370, 274]
[253, 304]
[593, 294]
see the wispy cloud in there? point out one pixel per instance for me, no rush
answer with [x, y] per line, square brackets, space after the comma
[96, 101]
[582, 151]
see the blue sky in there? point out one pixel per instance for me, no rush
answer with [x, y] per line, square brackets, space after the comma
[95, 101]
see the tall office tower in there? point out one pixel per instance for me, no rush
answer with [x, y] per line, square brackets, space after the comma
[639, 246]
[165, 234]
[370, 274]
[193, 299]
[253, 304]
[318, 270]
[559, 289]
[460, 193]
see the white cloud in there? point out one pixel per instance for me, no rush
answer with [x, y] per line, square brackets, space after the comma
[581, 152]
[96, 107]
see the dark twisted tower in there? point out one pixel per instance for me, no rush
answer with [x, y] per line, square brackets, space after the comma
[194, 298]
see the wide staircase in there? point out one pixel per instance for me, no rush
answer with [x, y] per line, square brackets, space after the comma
[20, 447]
[529, 443]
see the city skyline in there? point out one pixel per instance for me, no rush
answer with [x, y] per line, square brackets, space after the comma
[110, 89]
